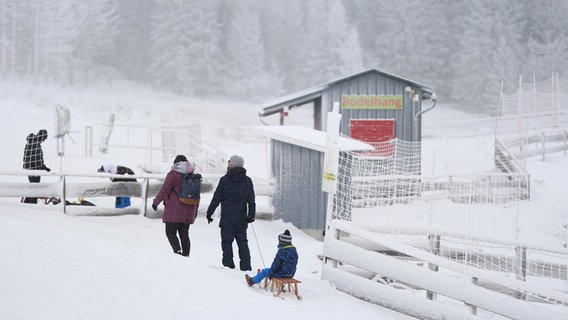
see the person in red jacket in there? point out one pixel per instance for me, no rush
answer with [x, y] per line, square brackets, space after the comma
[177, 216]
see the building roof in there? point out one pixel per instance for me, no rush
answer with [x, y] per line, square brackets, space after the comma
[310, 138]
[310, 94]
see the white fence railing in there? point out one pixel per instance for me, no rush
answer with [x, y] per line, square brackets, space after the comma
[68, 186]
[533, 120]
[539, 144]
[156, 144]
[354, 268]
[65, 189]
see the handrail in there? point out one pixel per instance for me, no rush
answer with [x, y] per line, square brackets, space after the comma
[452, 287]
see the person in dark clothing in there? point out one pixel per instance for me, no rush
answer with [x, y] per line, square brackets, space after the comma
[177, 215]
[120, 202]
[284, 263]
[33, 158]
[235, 193]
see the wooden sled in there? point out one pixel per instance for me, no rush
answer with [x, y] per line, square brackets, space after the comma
[280, 284]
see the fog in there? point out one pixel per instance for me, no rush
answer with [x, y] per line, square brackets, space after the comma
[252, 50]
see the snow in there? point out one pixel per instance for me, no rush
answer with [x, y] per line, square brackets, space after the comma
[60, 267]
[310, 138]
[57, 266]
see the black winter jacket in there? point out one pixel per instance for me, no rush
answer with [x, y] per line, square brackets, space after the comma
[33, 154]
[123, 170]
[235, 193]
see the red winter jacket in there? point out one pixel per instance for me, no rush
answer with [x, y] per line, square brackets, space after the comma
[174, 210]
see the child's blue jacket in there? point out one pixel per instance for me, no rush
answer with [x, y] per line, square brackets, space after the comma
[284, 264]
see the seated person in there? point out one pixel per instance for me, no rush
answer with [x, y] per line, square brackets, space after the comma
[120, 202]
[284, 264]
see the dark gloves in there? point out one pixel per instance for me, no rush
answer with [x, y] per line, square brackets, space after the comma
[250, 220]
[45, 168]
[155, 207]
[209, 219]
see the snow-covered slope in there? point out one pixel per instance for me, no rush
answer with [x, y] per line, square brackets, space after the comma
[54, 266]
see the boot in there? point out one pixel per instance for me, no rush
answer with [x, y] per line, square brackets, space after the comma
[250, 282]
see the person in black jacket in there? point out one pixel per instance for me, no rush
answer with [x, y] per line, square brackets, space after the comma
[33, 158]
[235, 193]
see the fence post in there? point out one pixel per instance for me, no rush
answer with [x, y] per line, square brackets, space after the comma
[145, 188]
[331, 232]
[434, 243]
[63, 195]
[472, 308]
[543, 139]
[565, 142]
[520, 267]
[89, 142]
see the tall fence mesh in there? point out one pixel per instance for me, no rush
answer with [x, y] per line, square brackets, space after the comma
[490, 221]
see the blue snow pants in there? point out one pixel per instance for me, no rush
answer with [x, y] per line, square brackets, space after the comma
[261, 275]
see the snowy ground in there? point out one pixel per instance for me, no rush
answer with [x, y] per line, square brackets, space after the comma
[59, 267]
[55, 266]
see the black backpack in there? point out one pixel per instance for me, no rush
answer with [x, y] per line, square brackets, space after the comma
[190, 188]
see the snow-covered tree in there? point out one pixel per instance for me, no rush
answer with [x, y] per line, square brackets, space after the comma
[406, 38]
[96, 38]
[546, 38]
[342, 48]
[281, 29]
[203, 48]
[471, 61]
[132, 54]
[244, 65]
[7, 38]
[170, 42]
[185, 46]
[56, 41]
[464, 49]
[329, 46]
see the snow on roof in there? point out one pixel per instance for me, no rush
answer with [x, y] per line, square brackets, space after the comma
[309, 138]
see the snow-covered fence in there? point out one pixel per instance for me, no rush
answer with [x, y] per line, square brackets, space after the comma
[155, 145]
[506, 160]
[540, 144]
[355, 265]
[534, 119]
[69, 186]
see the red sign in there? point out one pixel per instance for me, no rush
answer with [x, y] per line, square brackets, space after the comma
[375, 132]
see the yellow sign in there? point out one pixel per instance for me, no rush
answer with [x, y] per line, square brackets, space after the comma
[328, 176]
[371, 102]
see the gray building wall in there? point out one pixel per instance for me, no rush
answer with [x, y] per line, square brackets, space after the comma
[373, 83]
[299, 198]
[297, 170]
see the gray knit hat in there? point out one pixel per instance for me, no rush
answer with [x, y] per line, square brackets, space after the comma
[237, 161]
[285, 238]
